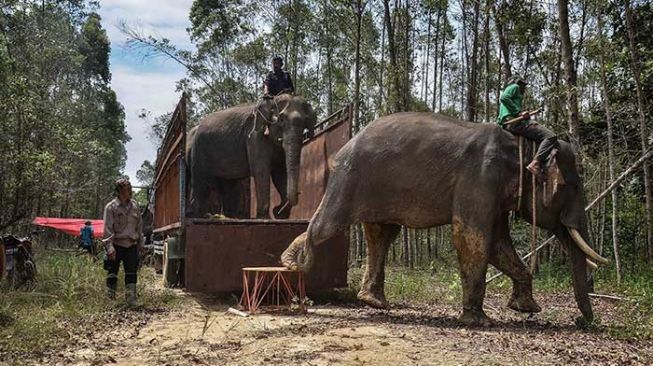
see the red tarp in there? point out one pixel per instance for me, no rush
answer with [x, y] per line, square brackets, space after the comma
[70, 226]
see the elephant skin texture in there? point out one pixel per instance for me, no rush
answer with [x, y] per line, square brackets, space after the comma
[424, 170]
[262, 140]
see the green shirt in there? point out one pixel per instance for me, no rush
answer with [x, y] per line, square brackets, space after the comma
[510, 105]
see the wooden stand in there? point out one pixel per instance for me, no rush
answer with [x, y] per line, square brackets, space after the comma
[274, 285]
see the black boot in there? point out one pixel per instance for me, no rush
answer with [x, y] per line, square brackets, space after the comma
[111, 290]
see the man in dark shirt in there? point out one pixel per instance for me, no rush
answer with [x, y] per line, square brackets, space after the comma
[278, 81]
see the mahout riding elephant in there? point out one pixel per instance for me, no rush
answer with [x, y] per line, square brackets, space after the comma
[423, 170]
[262, 140]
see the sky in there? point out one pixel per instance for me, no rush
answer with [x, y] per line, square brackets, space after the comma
[144, 83]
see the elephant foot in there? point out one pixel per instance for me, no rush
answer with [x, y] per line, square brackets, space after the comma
[475, 318]
[524, 304]
[375, 301]
[281, 212]
[288, 258]
[298, 256]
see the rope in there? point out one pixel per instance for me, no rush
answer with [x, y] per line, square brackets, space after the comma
[521, 173]
[534, 222]
[256, 112]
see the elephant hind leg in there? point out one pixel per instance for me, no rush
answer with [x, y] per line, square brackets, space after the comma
[472, 249]
[199, 197]
[505, 259]
[379, 237]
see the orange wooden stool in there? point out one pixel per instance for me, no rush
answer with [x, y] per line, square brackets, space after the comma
[279, 287]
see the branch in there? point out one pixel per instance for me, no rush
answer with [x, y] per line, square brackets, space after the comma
[150, 46]
[647, 155]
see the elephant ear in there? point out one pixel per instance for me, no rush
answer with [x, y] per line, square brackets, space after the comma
[310, 118]
[554, 179]
[262, 114]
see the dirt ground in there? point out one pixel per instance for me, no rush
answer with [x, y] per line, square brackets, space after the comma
[201, 332]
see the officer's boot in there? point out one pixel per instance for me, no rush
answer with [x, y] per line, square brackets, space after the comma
[130, 294]
[111, 291]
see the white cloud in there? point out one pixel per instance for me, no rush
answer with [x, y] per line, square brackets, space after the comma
[165, 18]
[137, 90]
[145, 84]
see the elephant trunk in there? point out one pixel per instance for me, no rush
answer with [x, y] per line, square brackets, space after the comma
[292, 149]
[299, 254]
[578, 262]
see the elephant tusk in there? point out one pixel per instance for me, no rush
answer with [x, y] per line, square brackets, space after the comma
[578, 239]
[591, 264]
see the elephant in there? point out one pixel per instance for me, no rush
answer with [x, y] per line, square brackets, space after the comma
[262, 140]
[423, 170]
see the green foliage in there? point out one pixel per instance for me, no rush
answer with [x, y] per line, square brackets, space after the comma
[417, 286]
[63, 126]
[145, 173]
[95, 48]
[69, 298]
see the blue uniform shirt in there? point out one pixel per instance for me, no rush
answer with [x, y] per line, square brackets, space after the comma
[86, 234]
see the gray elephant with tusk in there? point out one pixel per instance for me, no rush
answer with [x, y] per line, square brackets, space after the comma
[423, 170]
[262, 140]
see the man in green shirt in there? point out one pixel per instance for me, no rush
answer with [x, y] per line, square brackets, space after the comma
[510, 107]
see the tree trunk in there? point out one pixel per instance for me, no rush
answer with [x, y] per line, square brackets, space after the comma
[608, 116]
[390, 31]
[636, 69]
[570, 72]
[503, 45]
[410, 246]
[405, 254]
[486, 39]
[581, 38]
[463, 74]
[425, 64]
[329, 52]
[382, 87]
[436, 45]
[472, 93]
[407, 59]
[442, 56]
[428, 244]
[360, 6]
[602, 230]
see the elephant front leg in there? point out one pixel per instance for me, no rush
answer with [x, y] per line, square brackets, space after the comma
[262, 183]
[472, 248]
[505, 259]
[379, 238]
[280, 180]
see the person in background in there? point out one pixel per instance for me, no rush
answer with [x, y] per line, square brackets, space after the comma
[86, 237]
[123, 240]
